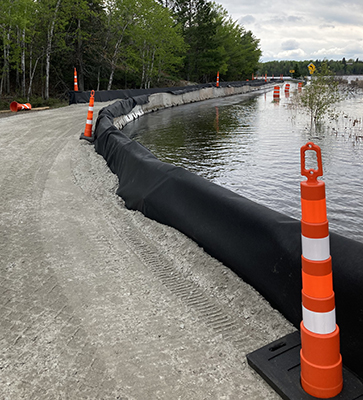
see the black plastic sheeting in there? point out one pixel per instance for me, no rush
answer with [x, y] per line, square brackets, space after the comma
[262, 246]
[109, 95]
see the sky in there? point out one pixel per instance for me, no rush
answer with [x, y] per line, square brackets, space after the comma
[303, 29]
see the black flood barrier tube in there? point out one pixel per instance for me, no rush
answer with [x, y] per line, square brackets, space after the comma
[260, 245]
[76, 97]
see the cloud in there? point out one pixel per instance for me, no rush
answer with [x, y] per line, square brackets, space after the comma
[248, 19]
[295, 54]
[349, 50]
[294, 19]
[326, 26]
[302, 30]
[283, 20]
[291, 44]
[332, 51]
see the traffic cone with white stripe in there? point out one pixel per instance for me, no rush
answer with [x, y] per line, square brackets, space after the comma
[87, 135]
[15, 107]
[217, 79]
[321, 362]
[75, 80]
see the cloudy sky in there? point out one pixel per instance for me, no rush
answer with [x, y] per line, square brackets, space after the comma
[303, 29]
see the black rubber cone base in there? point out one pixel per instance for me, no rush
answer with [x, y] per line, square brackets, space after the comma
[279, 365]
[89, 139]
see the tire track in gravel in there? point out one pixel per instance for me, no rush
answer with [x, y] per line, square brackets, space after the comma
[224, 316]
[40, 334]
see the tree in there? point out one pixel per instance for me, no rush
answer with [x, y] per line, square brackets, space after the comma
[157, 43]
[344, 65]
[121, 15]
[119, 43]
[216, 43]
[251, 52]
[296, 74]
[320, 95]
[53, 17]
[7, 22]
[85, 52]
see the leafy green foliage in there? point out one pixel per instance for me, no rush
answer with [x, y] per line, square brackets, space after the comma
[118, 44]
[320, 95]
[216, 43]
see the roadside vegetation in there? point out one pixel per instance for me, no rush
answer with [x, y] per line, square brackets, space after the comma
[117, 44]
[321, 95]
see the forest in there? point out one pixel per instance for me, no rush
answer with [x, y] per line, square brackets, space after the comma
[300, 68]
[117, 44]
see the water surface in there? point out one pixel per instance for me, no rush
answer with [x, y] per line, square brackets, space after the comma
[251, 145]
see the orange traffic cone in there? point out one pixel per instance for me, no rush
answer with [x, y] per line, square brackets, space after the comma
[321, 362]
[218, 79]
[14, 106]
[87, 135]
[75, 81]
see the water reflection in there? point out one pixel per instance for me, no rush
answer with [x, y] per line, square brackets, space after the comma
[251, 145]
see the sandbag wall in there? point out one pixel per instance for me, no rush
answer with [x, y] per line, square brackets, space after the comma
[262, 246]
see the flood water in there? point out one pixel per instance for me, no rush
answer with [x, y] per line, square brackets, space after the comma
[251, 145]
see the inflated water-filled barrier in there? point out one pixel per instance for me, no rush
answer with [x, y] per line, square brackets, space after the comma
[76, 97]
[260, 245]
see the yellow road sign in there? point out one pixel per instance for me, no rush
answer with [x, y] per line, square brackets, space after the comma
[312, 68]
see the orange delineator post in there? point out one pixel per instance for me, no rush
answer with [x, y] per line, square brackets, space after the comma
[75, 80]
[89, 123]
[218, 79]
[276, 92]
[321, 362]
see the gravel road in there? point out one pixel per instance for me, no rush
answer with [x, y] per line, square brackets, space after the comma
[99, 302]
